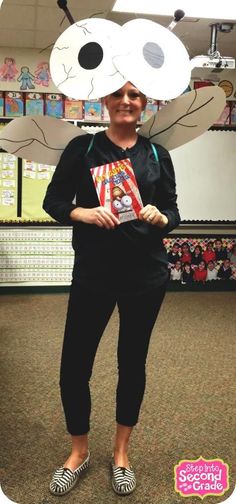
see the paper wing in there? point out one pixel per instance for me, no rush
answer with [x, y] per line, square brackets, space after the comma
[185, 117]
[39, 138]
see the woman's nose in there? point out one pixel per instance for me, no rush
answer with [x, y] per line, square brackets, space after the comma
[125, 98]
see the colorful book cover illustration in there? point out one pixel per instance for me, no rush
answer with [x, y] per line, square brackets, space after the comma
[149, 111]
[14, 104]
[54, 105]
[34, 104]
[117, 189]
[73, 108]
[93, 110]
[1, 104]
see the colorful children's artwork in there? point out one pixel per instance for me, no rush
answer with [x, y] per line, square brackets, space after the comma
[149, 111]
[54, 105]
[73, 109]
[34, 104]
[42, 74]
[14, 104]
[117, 189]
[93, 110]
[8, 70]
[1, 104]
[26, 79]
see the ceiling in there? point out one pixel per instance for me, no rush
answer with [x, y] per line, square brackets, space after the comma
[38, 23]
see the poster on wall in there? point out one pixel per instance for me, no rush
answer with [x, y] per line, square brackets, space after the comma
[54, 105]
[34, 104]
[14, 104]
[8, 186]
[35, 179]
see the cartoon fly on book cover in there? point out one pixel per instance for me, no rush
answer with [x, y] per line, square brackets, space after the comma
[117, 189]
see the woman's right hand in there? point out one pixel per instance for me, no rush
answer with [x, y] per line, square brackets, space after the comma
[100, 216]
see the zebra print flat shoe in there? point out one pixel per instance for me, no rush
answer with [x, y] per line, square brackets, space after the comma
[65, 479]
[123, 479]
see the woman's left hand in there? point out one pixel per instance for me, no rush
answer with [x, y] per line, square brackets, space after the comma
[153, 216]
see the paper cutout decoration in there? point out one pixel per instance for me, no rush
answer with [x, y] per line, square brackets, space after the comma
[39, 138]
[153, 59]
[185, 118]
[95, 57]
[81, 62]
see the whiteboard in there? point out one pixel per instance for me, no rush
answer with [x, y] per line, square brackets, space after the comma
[205, 171]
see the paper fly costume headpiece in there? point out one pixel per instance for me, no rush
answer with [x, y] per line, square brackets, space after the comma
[95, 57]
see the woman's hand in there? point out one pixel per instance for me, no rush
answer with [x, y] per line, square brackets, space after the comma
[100, 216]
[153, 216]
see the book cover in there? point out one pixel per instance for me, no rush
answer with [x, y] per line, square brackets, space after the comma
[149, 111]
[93, 110]
[73, 108]
[34, 104]
[14, 104]
[54, 105]
[1, 104]
[117, 189]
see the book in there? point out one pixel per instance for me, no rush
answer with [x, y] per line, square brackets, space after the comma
[117, 189]
[34, 104]
[54, 105]
[92, 110]
[14, 104]
[149, 111]
[73, 108]
[1, 104]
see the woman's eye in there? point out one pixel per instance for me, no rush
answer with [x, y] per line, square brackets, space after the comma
[116, 95]
[81, 61]
[153, 59]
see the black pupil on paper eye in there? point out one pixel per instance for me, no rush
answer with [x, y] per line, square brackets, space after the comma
[90, 55]
[153, 54]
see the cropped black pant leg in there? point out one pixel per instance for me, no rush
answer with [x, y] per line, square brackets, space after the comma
[137, 318]
[87, 316]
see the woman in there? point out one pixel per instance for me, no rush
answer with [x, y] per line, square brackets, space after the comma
[114, 263]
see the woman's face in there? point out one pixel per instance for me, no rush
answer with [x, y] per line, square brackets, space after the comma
[125, 105]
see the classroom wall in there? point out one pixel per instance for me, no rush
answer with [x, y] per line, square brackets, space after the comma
[34, 60]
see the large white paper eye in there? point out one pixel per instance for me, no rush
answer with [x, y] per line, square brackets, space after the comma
[81, 61]
[153, 59]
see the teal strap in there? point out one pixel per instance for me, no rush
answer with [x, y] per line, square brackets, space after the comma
[155, 151]
[90, 145]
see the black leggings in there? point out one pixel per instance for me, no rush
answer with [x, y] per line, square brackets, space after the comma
[87, 316]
